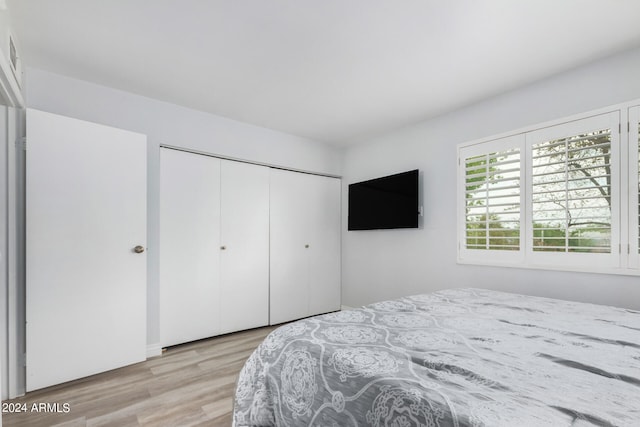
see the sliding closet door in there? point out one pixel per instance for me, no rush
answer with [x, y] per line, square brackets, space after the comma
[324, 231]
[305, 245]
[289, 290]
[244, 254]
[86, 236]
[189, 246]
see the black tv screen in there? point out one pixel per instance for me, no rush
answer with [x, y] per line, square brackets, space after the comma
[383, 203]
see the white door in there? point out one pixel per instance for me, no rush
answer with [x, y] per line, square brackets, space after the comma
[289, 291]
[189, 246]
[324, 230]
[86, 212]
[244, 262]
[305, 245]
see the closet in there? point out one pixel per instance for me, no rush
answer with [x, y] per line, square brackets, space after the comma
[214, 246]
[243, 246]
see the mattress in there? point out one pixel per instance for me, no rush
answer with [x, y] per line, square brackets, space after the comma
[461, 357]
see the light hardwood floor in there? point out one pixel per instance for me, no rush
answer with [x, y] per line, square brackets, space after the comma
[189, 385]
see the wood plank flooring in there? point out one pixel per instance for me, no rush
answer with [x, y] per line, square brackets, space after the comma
[189, 385]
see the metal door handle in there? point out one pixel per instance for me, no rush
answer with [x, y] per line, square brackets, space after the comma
[138, 249]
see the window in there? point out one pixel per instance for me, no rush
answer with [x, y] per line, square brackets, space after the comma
[571, 193]
[492, 191]
[552, 197]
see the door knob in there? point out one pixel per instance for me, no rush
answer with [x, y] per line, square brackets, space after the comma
[138, 249]
[223, 247]
[306, 246]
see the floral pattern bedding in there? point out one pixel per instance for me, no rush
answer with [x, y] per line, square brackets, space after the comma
[462, 357]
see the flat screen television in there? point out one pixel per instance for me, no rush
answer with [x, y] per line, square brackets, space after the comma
[383, 203]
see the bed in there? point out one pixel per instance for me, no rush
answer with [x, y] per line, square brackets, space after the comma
[460, 357]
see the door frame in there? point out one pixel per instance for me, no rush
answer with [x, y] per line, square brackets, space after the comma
[13, 283]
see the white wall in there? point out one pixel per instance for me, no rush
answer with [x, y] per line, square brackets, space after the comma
[170, 124]
[384, 264]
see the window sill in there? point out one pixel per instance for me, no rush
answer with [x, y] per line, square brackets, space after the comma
[574, 269]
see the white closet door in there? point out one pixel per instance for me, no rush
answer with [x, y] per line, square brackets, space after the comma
[305, 245]
[244, 262]
[289, 291]
[86, 211]
[323, 207]
[189, 246]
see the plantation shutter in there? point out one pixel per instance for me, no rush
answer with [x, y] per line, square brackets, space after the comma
[491, 177]
[637, 183]
[561, 196]
[573, 192]
[634, 187]
[493, 200]
[637, 125]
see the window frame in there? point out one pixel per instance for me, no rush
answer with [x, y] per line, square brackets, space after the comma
[633, 154]
[624, 257]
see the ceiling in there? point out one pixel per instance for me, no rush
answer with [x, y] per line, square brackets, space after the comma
[337, 71]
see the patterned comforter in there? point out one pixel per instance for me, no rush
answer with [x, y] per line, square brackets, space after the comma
[463, 357]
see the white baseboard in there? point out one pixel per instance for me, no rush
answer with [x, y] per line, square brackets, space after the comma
[154, 350]
[346, 307]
